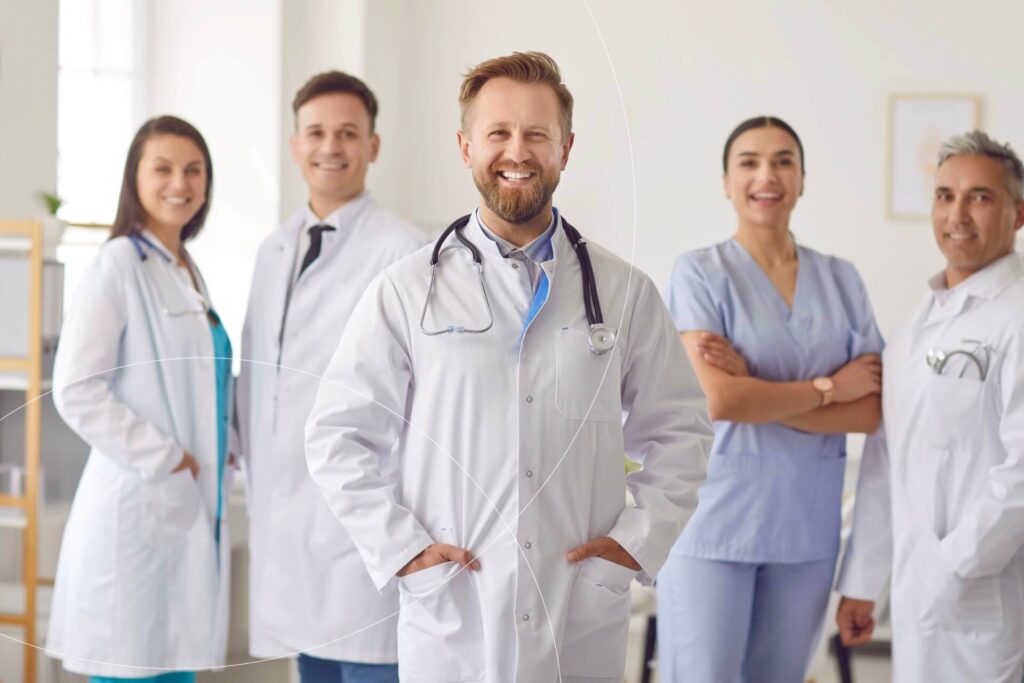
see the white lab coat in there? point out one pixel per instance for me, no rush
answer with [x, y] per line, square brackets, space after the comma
[308, 585]
[942, 506]
[513, 451]
[138, 580]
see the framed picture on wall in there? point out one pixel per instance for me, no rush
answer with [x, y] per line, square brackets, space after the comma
[918, 125]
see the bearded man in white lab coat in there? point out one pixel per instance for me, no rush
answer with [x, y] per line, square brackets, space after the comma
[309, 590]
[940, 501]
[502, 512]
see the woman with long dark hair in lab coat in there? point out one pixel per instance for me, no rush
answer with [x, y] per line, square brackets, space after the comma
[785, 346]
[143, 375]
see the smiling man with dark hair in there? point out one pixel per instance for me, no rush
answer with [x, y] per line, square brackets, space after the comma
[309, 590]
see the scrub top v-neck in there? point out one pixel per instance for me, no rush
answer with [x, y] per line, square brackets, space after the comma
[772, 493]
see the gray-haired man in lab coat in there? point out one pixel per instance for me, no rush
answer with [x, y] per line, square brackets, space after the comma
[940, 502]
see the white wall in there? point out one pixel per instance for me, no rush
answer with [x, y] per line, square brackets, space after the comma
[417, 55]
[28, 105]
[218, 65]
[689, 72]
[316, 36]
[231, 68]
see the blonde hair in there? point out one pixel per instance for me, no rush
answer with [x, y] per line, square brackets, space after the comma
[521, 67]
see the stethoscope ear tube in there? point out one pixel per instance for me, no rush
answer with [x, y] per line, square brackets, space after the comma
[591, 301]
[455, 227]
[601, 338]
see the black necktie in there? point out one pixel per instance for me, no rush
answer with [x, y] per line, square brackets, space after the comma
[315, 242]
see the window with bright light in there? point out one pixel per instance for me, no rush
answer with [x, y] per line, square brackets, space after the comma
[99, 107]
[99, 104]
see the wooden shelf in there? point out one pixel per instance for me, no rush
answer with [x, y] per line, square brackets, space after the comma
[9, 364]
[16, 381]
[16, 502]
[23, 511]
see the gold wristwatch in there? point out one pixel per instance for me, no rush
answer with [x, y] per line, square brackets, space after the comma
[825, 387]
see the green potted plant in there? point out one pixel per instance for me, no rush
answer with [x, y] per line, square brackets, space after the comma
[53, 226]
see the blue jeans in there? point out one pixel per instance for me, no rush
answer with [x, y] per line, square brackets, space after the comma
[316, 670]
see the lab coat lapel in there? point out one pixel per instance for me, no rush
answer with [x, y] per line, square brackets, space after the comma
[563, 295]
[455, 298]
[935, 314]
[985, 284]
[347, 223]
[496, 267]
[475, 234]
[280, 267]
[561, 250]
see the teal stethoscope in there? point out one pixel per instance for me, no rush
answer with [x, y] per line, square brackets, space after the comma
[601, 337]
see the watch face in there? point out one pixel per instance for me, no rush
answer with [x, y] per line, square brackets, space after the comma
[823, 384]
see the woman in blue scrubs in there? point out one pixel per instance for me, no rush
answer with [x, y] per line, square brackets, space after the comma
[785, 345]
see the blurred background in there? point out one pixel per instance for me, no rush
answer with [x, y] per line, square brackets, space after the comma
[658, 86]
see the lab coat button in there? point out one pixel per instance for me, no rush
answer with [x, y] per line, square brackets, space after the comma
[526, 617]
[529, 399]
[527, 545]
[529, 473]
[515, 266]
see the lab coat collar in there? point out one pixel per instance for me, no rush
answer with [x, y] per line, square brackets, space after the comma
[560, 245]
[153, 242]
[341, 218]
[474, 232]
[538, 250]
[286, 237]
[199, 290]
[987, 283]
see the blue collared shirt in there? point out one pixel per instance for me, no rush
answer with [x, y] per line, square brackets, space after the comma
[533, 254]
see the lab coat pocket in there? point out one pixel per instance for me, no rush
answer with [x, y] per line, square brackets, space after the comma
[594, 642]
[439, 627]
[426, 580]
[171, 507]
[962, 605]
[953, 408]
[586, 384]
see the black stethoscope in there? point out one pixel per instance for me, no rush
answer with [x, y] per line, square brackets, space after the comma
[601, 338]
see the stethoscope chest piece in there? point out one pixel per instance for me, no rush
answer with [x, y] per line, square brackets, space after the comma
[602, 339]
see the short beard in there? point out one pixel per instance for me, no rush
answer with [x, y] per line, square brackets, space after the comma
[515, 206]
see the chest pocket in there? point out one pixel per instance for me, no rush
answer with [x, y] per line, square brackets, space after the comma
[586, 384]
[954, 408]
